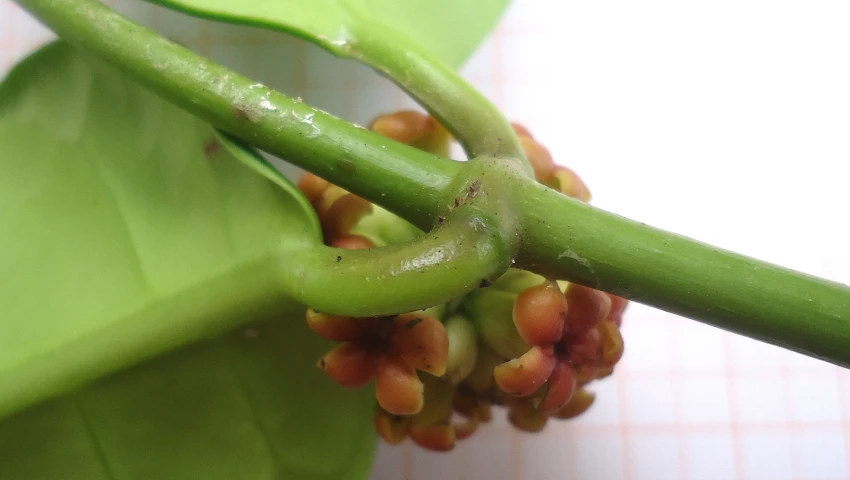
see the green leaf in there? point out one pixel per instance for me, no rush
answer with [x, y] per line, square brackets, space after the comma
[251, 405]
[447, 29]
[129, 229]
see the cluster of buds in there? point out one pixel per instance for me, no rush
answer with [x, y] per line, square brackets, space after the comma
[546, 171]
[339, 211]
[551, 344]
[387, 349]
[525, 342]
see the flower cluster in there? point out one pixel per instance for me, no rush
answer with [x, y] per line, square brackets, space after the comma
[528, 343]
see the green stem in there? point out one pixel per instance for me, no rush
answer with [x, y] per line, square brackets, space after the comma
[477, 124]
[580, 243]
[407, 181]
[446, 263]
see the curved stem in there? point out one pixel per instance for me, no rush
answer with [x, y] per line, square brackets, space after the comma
[407, 181]
[478, 125]
[450, 261]
[580, 243]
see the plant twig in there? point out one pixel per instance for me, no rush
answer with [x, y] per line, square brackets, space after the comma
[559, 236]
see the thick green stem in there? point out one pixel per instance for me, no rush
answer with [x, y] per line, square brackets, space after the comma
[405, 180]
[448, 262]
[580, 243]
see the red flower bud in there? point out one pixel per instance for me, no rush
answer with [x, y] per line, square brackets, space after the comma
[539, 313]
[349, 365]
[523, 376]
[397, 387]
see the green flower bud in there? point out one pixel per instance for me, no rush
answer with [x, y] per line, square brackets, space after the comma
[492, 312]
[516, 280]
[463, 348]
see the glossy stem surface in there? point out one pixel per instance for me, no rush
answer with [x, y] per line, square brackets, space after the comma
[446, 263]
[680, 275]
[475, 122]
[405, 180]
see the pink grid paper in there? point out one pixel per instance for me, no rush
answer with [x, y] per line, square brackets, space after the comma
[624, 93]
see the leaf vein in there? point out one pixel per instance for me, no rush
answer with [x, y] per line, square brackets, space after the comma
[96, 446]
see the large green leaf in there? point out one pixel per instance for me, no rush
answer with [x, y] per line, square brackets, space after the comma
[447, 29]
[128, 229]
[248, 406]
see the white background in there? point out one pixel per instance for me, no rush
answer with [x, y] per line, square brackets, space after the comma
[727, 121]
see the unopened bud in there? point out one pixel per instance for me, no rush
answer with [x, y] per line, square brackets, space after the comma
[438, 437]
[539, 313]
[405, 126]
[312, 186]
[339, 328]
[349, 365]
[352, 242]
[612, 344]
[392, 428]
[560, 388]
[618, 306]
[570, 184]
[344, 214]
[539, 158]
[587, 307]
[422, 342]
[492, 312]
[522, 376]
[524, 416]
[578, 404]
[397, 387]
[463, 348]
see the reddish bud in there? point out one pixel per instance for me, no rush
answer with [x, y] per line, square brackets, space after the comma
[439, 437]
[539, 158]
[569, 183]
[327, 199]
[397, 387]
[392, 428]
[618, 306]
[422, 342]
[584, 348]
[352, 242]
[523, 376]
[586, 374]
[525, 417]
[312, 186]
[578, 404]
[612, 343]
[406, 126]
[339, 329]
[521, 131]
[344, 214]
[561, 385]
[587, 307]
[539, 314]
[349, 365]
